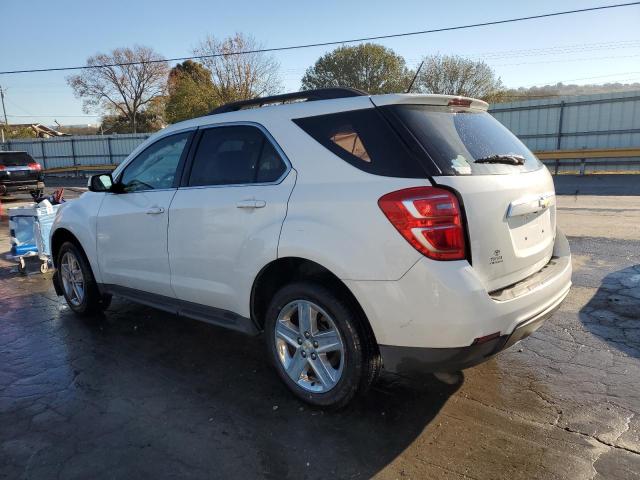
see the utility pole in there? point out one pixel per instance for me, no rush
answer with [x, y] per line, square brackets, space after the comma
[4, 111]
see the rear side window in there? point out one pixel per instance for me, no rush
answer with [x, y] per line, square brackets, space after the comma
[364, 139]
[235, 156]
[464, 142]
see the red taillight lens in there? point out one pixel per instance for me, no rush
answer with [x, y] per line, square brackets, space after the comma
[428, 218]
[459, 102]
[2, 167]
[34, 166]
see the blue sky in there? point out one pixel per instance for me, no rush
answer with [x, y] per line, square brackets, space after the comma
[593, 47]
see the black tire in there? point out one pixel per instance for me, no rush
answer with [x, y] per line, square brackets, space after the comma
[92, 302]
[361, 361]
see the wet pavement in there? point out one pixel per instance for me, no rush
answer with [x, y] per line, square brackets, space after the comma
[139, 393]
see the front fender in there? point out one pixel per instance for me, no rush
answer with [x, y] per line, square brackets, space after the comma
[79, 218]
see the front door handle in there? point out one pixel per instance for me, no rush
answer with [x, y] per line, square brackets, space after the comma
[155, 211]
[251, 204]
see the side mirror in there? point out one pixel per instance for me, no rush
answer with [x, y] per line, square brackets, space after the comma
[100, 183]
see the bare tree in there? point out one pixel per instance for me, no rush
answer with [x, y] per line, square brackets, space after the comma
[119, 83]
[239, 76]
[454, 75]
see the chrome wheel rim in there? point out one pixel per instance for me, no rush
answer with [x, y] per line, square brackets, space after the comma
[309, 346]
[72, 279]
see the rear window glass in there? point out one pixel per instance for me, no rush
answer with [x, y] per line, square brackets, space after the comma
[457, 140]
[10, 159]
[364, 139]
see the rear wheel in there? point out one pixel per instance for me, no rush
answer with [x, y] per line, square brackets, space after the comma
[78, 285]
[318, 345]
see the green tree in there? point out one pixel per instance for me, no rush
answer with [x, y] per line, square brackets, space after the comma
[151, 119]
[191, 92]
[455, 75]
[369, 67]
[19, 131]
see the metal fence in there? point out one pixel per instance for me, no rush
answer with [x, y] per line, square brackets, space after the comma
[576, 123]
[78, 151]
[569, 134]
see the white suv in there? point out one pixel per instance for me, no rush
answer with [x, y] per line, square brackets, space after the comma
[410, 232]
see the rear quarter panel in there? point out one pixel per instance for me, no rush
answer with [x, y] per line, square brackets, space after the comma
[333, 216]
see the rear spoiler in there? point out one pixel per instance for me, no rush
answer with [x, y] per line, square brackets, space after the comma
[432, 100]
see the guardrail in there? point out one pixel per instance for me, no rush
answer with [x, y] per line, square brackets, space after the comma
[80, 168]
[555, 158]
[605, 157]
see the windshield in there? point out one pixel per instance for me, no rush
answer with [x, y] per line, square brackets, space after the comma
[466, 142]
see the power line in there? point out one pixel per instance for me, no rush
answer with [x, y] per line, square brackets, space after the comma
[53, 115]
[565, 60]
[557, 49]
[336, 42]
[577, 79]
[296, 71]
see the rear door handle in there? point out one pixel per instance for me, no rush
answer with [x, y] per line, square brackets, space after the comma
[155, 211]
[251, 204]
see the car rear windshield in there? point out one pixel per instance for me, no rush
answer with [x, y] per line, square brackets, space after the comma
[465, 142]
[12, 159]
[364, 139]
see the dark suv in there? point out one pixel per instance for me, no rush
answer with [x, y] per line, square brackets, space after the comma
[19, 172]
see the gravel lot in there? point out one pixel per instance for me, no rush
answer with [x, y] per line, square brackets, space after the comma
[142, 393]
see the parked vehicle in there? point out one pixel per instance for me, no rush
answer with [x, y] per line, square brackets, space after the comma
[410, 232]
[19, 172]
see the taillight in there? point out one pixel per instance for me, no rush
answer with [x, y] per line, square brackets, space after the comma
[429, 218]
[459, 102]
[2, 167]
[35, 166]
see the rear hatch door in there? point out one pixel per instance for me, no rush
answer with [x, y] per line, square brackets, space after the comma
[507, 194]
[18, 167]
[511, 223]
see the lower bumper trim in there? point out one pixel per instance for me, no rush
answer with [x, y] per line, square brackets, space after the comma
[428, 360]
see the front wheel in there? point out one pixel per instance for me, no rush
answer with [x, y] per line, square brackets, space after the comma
[78, 285]
[318, 345]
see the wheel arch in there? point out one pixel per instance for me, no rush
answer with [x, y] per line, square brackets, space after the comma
[285, 270]
[58, 238]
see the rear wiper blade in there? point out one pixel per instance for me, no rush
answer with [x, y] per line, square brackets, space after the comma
[509, 159]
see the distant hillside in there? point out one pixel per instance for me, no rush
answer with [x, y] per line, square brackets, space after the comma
[549, 91]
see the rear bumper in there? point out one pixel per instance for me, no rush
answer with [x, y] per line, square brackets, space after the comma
[436, 310]
[417, 360]
[20, 186]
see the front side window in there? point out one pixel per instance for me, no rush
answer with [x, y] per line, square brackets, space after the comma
[156, 167]
[235, 155]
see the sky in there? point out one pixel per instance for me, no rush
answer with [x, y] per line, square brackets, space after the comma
[593, 47]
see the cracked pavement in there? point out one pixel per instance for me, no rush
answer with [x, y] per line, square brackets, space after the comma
[140, 393]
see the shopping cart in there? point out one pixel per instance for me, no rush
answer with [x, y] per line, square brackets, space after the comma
[29, 228]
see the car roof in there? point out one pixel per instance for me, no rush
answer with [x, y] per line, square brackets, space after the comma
[297, 109]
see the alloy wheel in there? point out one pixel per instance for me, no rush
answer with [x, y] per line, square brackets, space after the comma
[309, 346]
[72, 279]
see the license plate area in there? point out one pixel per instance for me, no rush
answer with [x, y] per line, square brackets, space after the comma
[531, 232]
